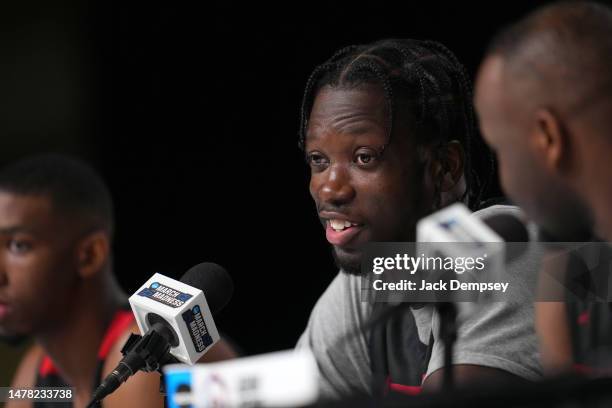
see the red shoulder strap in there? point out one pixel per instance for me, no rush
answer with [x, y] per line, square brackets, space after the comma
[46, 367]
[122, 320]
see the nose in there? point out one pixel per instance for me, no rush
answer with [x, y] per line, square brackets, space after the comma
[335, 186]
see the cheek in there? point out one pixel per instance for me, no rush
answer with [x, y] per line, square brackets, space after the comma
[392, 203]
[313, 187]
[519, 177]
[26, 291]
[39, 274]
[506, 166]
[23, 272]
[507, 174]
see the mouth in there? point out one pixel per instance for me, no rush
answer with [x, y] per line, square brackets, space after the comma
[340, 232]
[4, 310]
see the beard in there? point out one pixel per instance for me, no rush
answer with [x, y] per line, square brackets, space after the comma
[350, 265]
[579, 228]
[570, 220]
[350, 262]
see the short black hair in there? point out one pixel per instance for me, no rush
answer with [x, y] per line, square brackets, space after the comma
[568, 22]
[425, 74]
[574, 44]
[74, 187]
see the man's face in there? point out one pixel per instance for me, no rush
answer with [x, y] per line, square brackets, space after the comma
[366, 186]
[37, 268]
[509, 126]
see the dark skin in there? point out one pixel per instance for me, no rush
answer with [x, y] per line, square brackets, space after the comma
[554, 156]
[529, 143]
[552, 87]
[37, 261]
[356, 177]
[533, 149]
[384, 194]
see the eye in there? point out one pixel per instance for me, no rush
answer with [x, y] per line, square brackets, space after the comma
[317, 161]
[18, 246]
[366, 157]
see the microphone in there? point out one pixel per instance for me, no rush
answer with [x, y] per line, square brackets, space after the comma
[511, 230]
[453, 224]
[177, 321]
[456, 223]
[508, 227]
[455, 232]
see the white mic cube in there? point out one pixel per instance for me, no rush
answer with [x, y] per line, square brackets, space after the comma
[455, 232]
[183, 308]
[456, 224]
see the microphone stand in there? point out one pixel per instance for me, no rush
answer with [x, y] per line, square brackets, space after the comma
[448, 335]
[151, 354]
[168, 358]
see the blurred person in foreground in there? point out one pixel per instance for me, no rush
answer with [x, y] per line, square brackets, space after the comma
[57, 284]
[544, 99]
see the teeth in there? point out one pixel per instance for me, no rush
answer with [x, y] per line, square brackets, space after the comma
[340, 225]
[337, 224]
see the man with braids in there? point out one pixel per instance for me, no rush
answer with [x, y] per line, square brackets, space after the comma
[544, 97]
[57, 285]
[388, 131]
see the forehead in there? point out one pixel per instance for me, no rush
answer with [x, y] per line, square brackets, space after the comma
[348, 110]
[489, 84]
[24, 210]
[365, 98]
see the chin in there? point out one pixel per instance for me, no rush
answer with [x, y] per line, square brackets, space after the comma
[568, 224]
[348, 261]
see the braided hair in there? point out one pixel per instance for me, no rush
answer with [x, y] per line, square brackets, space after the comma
[425, 74]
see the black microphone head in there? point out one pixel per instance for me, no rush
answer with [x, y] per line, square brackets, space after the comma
[214, 281]
[508, 227]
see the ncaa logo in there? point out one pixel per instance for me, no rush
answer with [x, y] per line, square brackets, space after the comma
[155, 285]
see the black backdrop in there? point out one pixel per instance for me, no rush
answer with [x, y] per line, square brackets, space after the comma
[191, 113]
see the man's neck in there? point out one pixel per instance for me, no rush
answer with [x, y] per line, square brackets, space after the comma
[74, 345]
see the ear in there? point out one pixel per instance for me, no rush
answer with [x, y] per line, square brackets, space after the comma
[92, 253]
[448, 165]
[549, 139]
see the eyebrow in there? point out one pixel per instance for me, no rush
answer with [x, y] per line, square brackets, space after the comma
[363, 128]
[15, 229]
[357, 129]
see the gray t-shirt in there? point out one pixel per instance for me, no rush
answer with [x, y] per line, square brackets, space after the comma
[498, 335]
